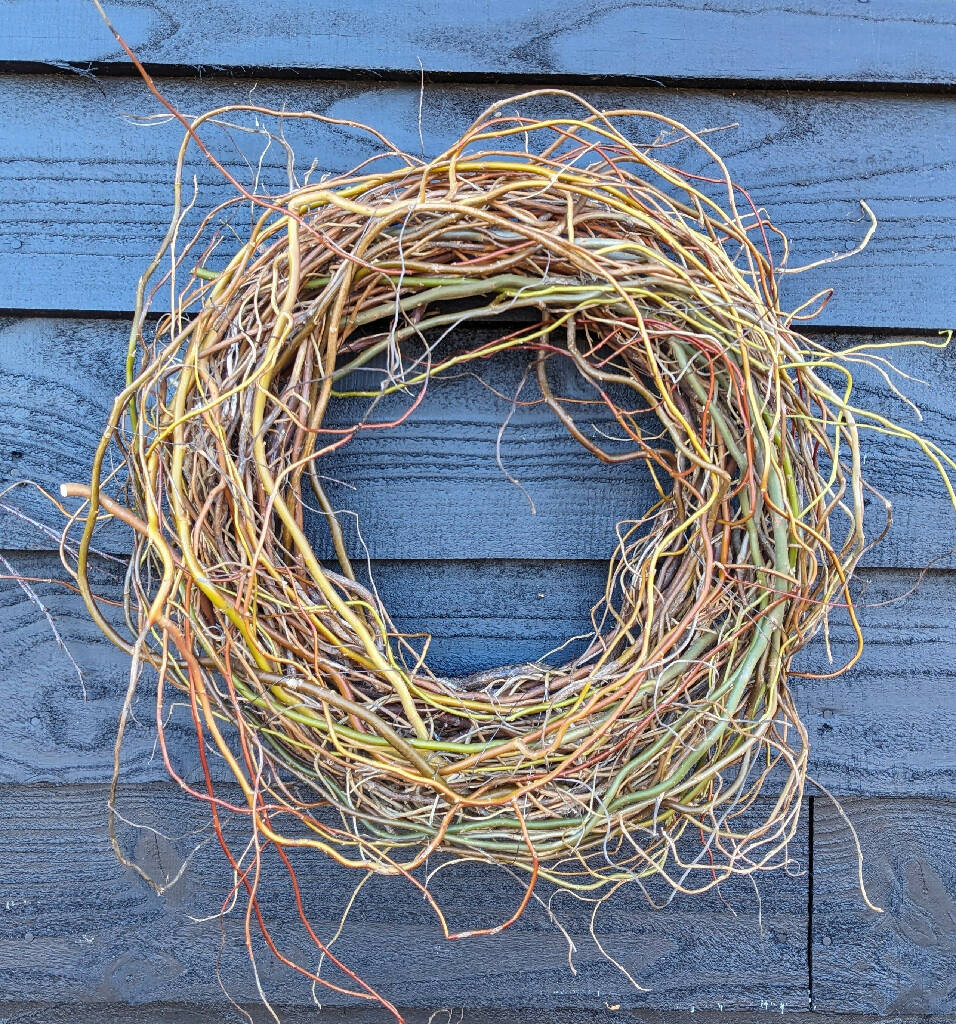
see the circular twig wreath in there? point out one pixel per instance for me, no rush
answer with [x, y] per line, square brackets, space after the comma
[659, 288]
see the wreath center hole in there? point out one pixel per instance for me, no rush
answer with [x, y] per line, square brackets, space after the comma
[483, 523]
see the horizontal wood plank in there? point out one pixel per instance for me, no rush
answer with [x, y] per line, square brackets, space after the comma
[887, 725]
[807, 40]
[165, 1013]
[885, 728]
[434, 487]
[80, 927]
[85, 193]
[902, 961]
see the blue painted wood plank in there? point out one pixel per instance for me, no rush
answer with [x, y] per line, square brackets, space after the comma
[885, 728]
[79, 928]
[166, 1013]
[898, 41]
[85, 192]
[902, 961]
[433, 486]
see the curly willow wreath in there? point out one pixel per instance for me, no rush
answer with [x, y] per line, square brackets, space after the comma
[651, 283]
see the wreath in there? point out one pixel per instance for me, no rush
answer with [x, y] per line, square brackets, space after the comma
[659, 287]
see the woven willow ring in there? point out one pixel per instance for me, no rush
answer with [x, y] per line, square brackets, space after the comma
[652, 283]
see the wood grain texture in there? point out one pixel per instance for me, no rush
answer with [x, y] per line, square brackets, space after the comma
[166, 1013]
[433, 486]
[78, 927]
[800, 40]
[85, 194]
[885, 728]
[902, 961]
[887, 725]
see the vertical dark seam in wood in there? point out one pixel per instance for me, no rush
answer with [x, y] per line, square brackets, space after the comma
[810, 801]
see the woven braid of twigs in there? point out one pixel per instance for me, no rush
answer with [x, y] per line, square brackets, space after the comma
[678, 709]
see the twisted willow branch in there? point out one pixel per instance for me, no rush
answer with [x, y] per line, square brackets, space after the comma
[339, 735]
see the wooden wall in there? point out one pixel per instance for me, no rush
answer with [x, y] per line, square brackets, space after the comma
[834, 101]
